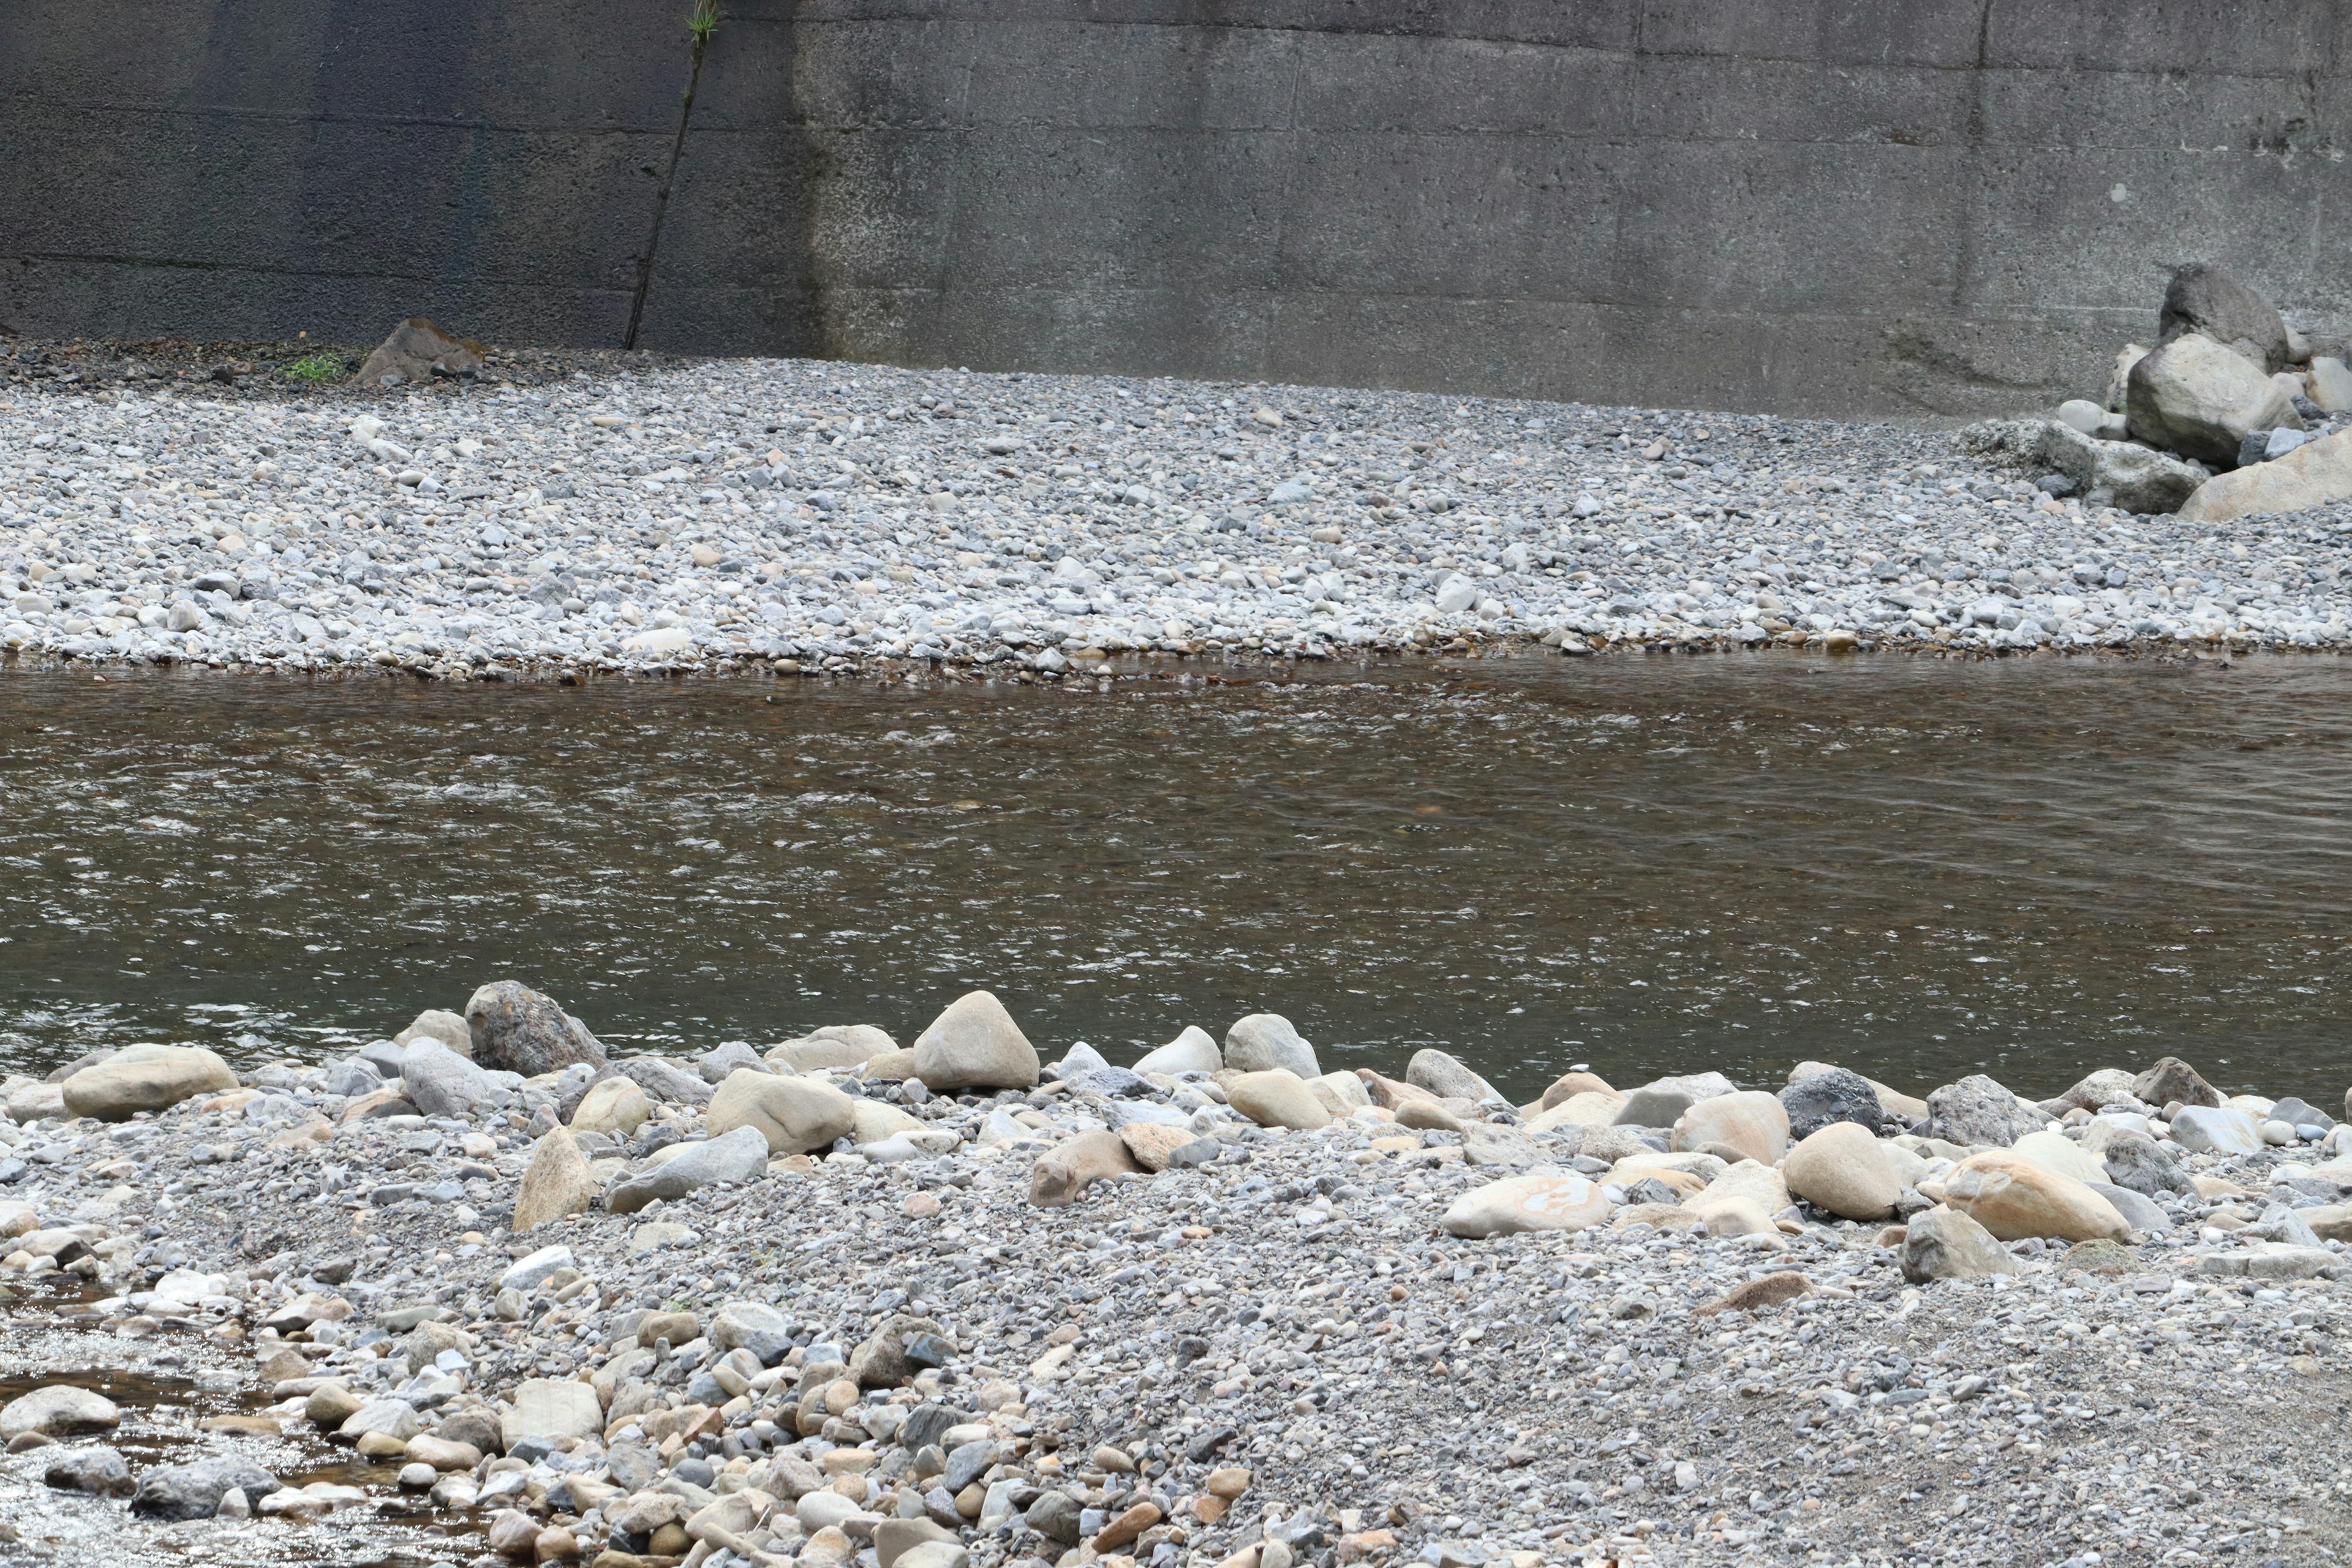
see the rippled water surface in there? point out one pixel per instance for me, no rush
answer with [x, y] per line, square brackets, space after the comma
[1916, 868]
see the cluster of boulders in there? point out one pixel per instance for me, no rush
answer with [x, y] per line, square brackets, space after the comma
[623, 1424]
[2232, 413]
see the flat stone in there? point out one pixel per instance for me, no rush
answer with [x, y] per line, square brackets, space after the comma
[550, 1408]
[59, 1410]
[1276, 1098]
[145, 1077]
[2205, 1130]
[735, 1156]
[1526, 1203]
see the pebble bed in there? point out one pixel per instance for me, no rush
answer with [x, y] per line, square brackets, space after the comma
[1276, 1350]
[802, 516]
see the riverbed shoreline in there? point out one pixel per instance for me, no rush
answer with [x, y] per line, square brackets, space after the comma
[759, 1309]
[812, 517]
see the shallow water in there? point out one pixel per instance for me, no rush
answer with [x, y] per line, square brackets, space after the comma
[1917, 867]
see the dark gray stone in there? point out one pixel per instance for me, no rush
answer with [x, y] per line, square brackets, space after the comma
[1837, 1095]
[966, 1463]
[194, 1490]
[1054, 1516]
[2201, 297]
[926, 1424]
[2143, 1165]
[99, 1470]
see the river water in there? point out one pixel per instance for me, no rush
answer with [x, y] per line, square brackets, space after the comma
[1916, 868]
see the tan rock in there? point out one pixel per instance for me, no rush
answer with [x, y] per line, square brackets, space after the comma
[1427, 1116]
[2317, 473]
[1342, 1093]
[1754, 1295]
[555, 1184]
[1389, 1093]
[1151, 1144]
[145, 1078]
[1276, 1098]
[1067, 1169]
[834, 1046]
[438, 1023]
[891, 1067]
[1571, 1084]
[875, 1119]
[2014, 1198]
[1842, 1169]
[1588, 1108]
[975, 1043]
[1754, 1122]
[616, 1107]
[2056, 1152]
[1729, 1213]
[1526, 1203]
[1760, 1184]
[796, 1115]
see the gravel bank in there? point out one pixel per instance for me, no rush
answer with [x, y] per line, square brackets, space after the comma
[822, 516]
[1288, 1345]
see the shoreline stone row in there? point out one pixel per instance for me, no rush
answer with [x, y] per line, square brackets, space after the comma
[796, 517]
[840, 1303]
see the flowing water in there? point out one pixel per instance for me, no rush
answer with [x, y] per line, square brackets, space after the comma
[1918, 868]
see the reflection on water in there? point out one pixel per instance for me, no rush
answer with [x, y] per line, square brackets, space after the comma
[1917, 867]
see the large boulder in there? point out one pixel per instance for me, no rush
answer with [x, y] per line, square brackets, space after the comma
[1978, 1111]
[440, 1082]
[975, 1043]
[2056, 1152]
[1194, 1050]
[1528, 1203]
[1447, 1079]
[1277, 1098]
[2196, 397]
[736, 1156]
[1842, 1168]
[145, 1078]
[2014, 1198]
[796, 1115]
[2317, 473]
[1265, 1042]
[517, 1029]
[2173, 1080]
[2107, 1086]
[1836, 1095]
[2139, 479]
[2203, 299]
[176, 1493]
[61, 1410]
[1751, 1121]
[555, 1184]
[1945, 1244]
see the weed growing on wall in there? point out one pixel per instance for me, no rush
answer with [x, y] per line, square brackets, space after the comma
[701, 23]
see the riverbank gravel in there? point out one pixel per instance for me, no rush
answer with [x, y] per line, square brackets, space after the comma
[800, 515]
[1418, 1326]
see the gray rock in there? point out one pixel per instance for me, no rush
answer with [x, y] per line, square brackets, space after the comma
[926, 1424]
[1945, 1244]
[59, 1410]
[2201, 297]
[2139, 1212]
[2296, 1112]
[417, 351]
[1653, 1105]
[438, 1023]
[1054, 1516]
[2141, 1165]
[519, 1030]
[1837, 1095]
[966, 1463]
[737, 1156]
[1191, 1051]
[714, 1065]
[1448, 1078]
[2140, 478]
[2206, 1130]
[527, 1273]
[1110, 1082]
[1978, 1110]
[353, 1076]
[665, 1082]
[174, 1492]
[439, 1082]
[1265, 1042]
[100, 1471]
[2197, 398]
[2173, 1080]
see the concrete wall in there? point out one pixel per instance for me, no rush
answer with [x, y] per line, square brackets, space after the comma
[1824, 206]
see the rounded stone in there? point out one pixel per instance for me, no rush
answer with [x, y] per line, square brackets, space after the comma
[1842, 1169]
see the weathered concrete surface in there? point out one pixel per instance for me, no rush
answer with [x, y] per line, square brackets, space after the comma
[1797, 205]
